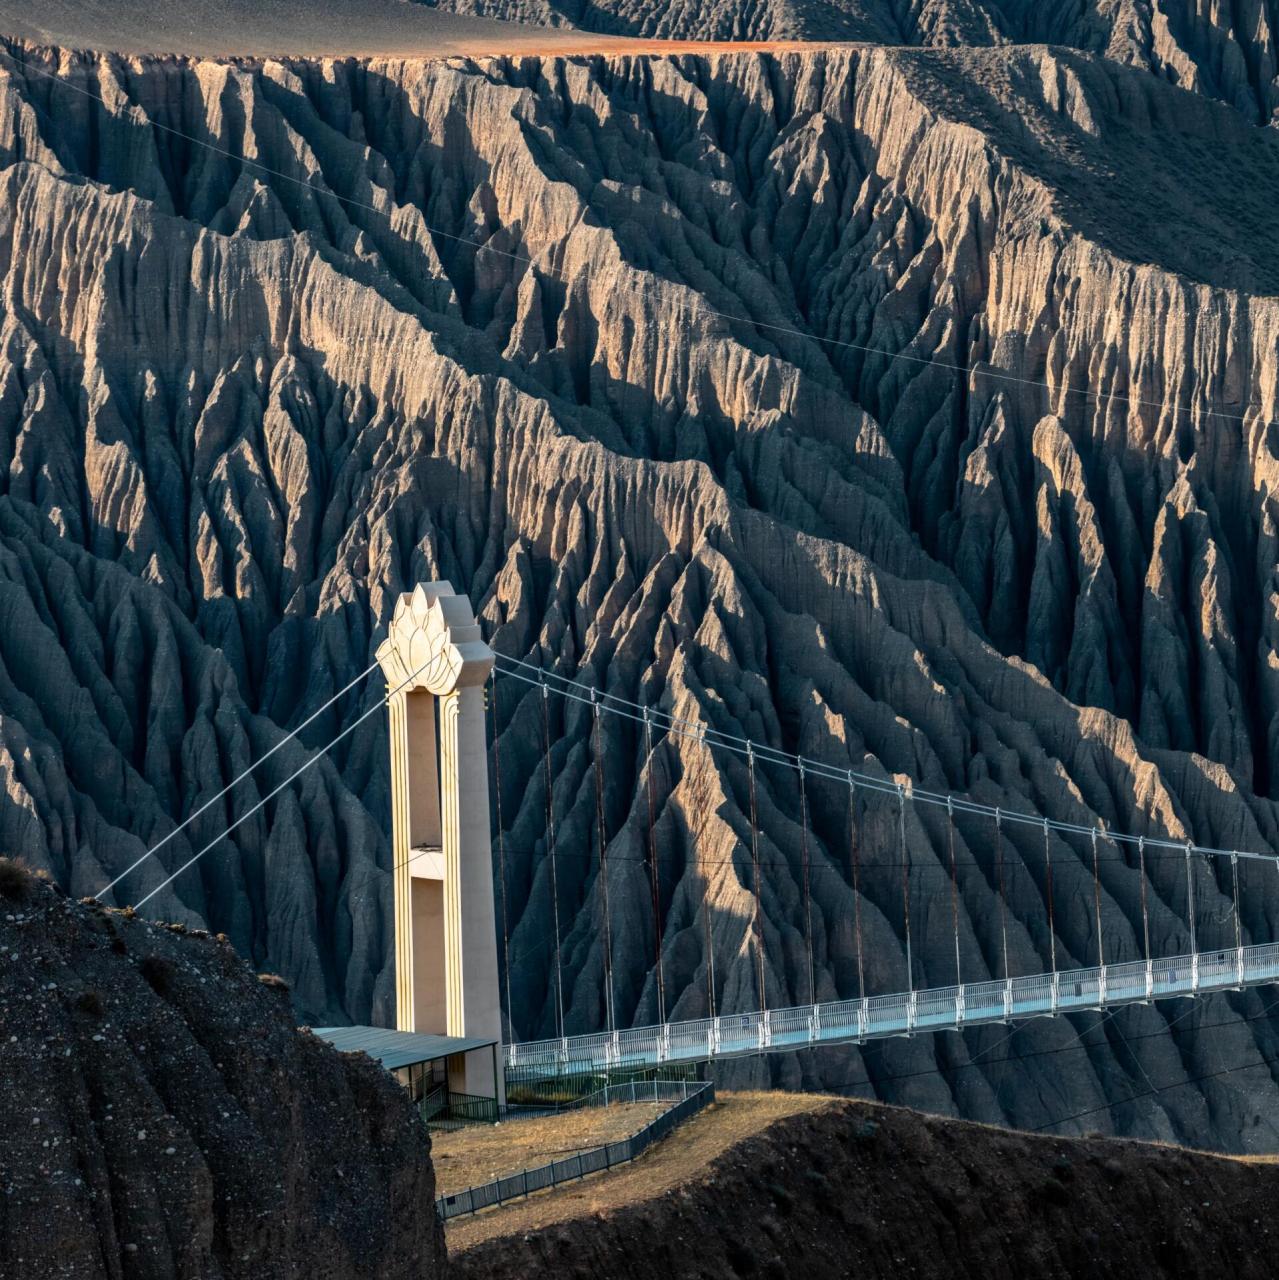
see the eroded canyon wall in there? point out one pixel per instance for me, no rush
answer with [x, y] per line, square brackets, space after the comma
[909, 409]
[1226, 52]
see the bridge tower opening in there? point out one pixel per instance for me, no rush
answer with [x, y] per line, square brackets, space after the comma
[436, 665]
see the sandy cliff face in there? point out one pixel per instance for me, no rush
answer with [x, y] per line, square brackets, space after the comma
[252, 391]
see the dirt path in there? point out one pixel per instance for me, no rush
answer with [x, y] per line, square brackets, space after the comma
[735, 1117]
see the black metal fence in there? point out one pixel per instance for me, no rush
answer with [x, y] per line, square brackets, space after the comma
[687, 1097]
[434, 1103]
[456, 1110]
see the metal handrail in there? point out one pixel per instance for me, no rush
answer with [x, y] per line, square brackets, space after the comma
[900, 1013]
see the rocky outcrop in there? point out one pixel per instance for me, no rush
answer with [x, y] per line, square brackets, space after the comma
[166, 1118]
[909, 409]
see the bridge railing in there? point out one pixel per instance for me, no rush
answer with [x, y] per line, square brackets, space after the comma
[902, 1013]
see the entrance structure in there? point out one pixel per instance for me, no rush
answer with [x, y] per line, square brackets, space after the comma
[446, 978]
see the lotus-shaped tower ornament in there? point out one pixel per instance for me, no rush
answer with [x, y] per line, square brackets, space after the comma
[434, 643]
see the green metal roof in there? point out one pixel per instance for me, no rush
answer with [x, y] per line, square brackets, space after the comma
[394, 1049]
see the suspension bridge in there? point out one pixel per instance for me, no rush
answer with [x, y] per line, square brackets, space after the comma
[447, 943]
[1235, 966]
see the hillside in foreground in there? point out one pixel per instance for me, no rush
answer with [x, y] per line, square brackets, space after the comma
[831, 1189]
[165, 1120]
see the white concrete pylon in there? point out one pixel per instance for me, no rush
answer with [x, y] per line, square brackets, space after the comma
[446, 974]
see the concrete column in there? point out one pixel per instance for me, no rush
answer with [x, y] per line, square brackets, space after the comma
[474, 1007]
[437, 664]
[402, 873]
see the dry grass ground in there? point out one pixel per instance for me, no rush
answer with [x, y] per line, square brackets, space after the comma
[733, 1118]
[478, 1154]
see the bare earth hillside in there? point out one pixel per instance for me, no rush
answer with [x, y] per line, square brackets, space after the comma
[164, 1118]
[240, 28]
[307, 28]
[588, 336]
[876, 1191]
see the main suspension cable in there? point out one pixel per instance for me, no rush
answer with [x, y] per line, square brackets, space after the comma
[297, 773]
[517, 669]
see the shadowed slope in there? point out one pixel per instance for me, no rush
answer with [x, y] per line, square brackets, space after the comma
[164, 1117]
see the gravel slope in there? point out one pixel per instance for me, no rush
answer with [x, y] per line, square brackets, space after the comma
[165, 1118]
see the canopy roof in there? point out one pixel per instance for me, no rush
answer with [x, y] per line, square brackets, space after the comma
[394, 1049]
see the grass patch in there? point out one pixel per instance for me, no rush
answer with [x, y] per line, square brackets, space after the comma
[17, 879]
